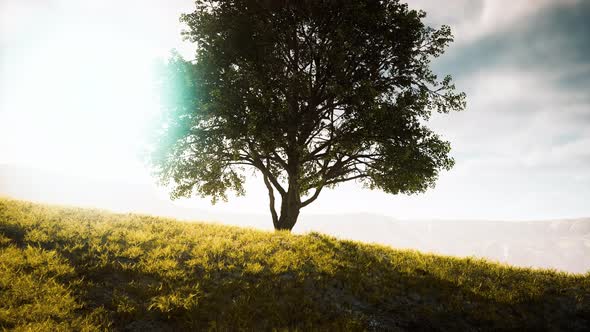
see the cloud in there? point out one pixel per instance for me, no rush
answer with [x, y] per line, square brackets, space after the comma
[526, 118]
[522, 144]
[527, 91]
[474, 19]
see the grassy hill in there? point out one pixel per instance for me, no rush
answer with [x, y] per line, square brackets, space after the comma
[81, 269]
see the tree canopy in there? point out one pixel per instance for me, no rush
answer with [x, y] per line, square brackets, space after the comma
[309, 94]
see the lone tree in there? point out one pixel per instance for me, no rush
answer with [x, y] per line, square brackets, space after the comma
[310, 93]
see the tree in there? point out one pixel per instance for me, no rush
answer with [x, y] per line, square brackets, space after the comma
[309, 93]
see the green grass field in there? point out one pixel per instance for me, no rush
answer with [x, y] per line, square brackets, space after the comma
[76, 269]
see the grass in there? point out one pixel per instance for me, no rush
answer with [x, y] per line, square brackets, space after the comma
[76, 269]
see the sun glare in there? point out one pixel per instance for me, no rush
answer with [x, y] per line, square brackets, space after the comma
[79, 101]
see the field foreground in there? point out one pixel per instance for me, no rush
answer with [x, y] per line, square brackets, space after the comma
[83, 269]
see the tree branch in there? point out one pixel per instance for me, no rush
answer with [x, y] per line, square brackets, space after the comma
[258, 163]
[313, 197]
[359, 176]
[271, 196]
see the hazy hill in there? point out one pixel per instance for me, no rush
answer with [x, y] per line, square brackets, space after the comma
[558, 244]
[83, 269]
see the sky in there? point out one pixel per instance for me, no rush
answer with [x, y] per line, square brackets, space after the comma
[76, 98]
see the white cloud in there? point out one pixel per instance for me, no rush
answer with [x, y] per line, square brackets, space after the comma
[517, 115]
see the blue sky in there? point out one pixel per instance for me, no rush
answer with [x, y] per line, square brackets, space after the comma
[522, 147]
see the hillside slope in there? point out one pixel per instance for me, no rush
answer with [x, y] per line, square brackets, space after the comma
[82, 269]
[562, 244]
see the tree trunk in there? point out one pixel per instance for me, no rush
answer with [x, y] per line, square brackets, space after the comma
[290, 206]
[288, 218]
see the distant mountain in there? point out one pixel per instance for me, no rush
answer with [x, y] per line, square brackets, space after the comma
[558, 244]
